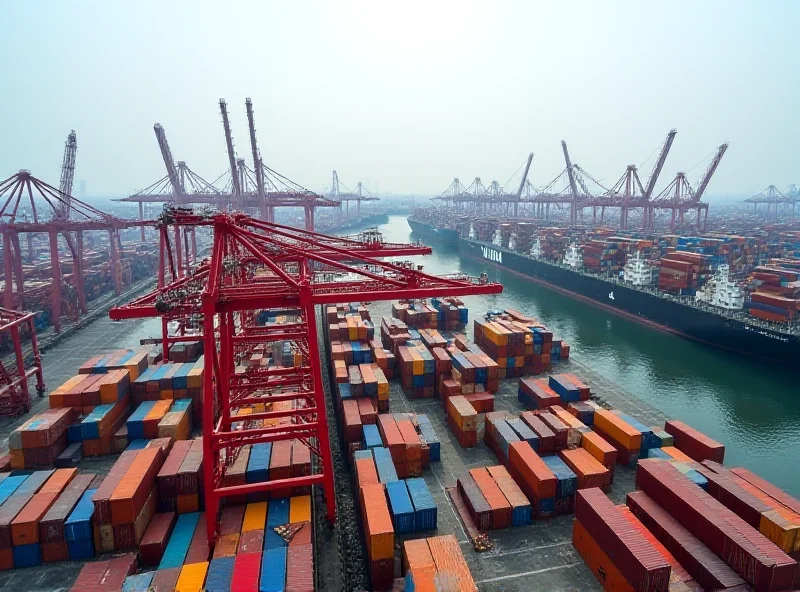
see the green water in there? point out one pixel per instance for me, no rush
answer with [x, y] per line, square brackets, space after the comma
[754, 410]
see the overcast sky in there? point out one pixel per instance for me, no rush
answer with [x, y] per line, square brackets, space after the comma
[404, 95]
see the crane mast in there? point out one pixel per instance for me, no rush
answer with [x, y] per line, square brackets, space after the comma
[256, 160]
[166, 153]
[237, 187]
[701, 187]
[573, 213]
[651, 183]
[525, 175]
[68, 171]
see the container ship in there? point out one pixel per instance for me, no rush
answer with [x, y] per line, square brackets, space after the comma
[715, 311]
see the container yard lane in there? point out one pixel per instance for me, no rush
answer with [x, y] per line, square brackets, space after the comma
[753, 409]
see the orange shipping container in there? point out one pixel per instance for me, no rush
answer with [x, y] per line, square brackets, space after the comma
[418, 560]
[131, 493]
[588, 469]
[618, 429]
[462, 413]
[531, 473]
[597, 561]
[411, 440]
[450, 564]
[602, 451]
[677, 454]
[25, 527]
[501, 509]
[366, 472]
[508, 486]
[377, 523]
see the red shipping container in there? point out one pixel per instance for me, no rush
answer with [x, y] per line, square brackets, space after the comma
[482, 402]
[501, 509]
[589, 471]
[246, 572]
[738, 500]
[547, 439]
[198, 548]
[51, 527]
[351, 421]
[697, 445]
[413, 452]
[8, 512]
[102, 497]
[768, 488]
[392, 438]
[119, 568]
[530, 472]
[381, 574]
[558, 428]
[156, 536]
[54, 552]
[164, 580]
[136, 485]
[747, 551]
[641, 564]
[300, 567]
[251, 541]
[467, 439]
[366, 408]
[231, 520]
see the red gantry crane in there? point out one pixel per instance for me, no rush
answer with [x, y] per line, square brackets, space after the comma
[258, 266]
[358, 195]
[69, 218]
[14, 393]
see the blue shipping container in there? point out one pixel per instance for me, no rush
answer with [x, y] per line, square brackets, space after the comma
[219, 575]
[33, 483]
[400, 507]
[10, 485]
[273, 571]
[277, 514]
[372, 436]
[504, 436]
[431, 438]
[567, 480]
[179, 541]
[80, 550]
[78, 526]
[139, 582]
[27, 555]
[258, 463]
[362, 454]
[425, 513]
[384, 464]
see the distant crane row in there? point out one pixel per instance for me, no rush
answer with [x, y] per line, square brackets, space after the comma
[627, 195]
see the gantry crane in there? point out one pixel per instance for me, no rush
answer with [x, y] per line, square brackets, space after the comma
[345, 197]
[257, 266]
[68, 173]
[771, 197]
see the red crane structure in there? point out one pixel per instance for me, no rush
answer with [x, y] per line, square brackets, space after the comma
[260, 189]
[14, 393]
[772, 198]
[62, 215]
[678, 197]
[358, 195]
[257, 266]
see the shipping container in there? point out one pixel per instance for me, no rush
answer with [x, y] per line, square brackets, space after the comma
[598, 562]
[601, 451]
[476, 503]
[534, 477]
[589, 471]
[377, 523]
[400, 506]
[179, 541]
[521, 513]
[425, 512]
[501, 508]
[697, 445]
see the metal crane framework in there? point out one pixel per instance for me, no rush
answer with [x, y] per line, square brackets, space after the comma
[257, 266]
[260, 189]
[68, 217]
[14, 393]
[772, 198]
[358, 195]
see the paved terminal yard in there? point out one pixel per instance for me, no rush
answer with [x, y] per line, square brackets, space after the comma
[537, 557]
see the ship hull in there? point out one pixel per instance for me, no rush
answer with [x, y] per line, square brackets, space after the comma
[707, 327]
[445, 236]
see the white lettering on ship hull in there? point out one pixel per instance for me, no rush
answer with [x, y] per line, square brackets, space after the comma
[766, 334]
[492, 255]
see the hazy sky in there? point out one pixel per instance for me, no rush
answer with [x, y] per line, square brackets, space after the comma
[407, 95]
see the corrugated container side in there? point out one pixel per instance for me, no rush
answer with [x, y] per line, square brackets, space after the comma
[597, 561]
[694, 443]
[425, 511]
[179, 541]
[501, 508]
[521, 513]
[400, 506]
[476, 503]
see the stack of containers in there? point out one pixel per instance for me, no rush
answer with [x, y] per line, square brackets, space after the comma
[545, 436]
[85, 391]
[416, 313]
[425, 512]
[558, 427]
[155, 538]
[417, 370]
[753, 556]
[452, 313]
[619, 556]
[575, 427]
[693, 443]
[135, 361]
[27, 550]
[566, 484]
[706, 569]
[16, 491]
[96, 430]
[588, 470]
[621, 435]
[52, 528]
[428, 438]
[176, 554]
[601, 451]
[40, 440]
[436, 559]
[400, 507]
[177, 422]
[534, 477]
[171, 382]
[463, 421]
[777, 297]
[180, 473]
[683, 272]
[394, 333]
[78, 528]
[535, 393]
[568, 388]
[379, 535]
[499, 435]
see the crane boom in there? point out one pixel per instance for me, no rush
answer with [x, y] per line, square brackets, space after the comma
[237, 187]
[166, 154]
[256, 155]
[525, 175]
[68, 173]
[701, 187]
[570, 173]
[651, 183]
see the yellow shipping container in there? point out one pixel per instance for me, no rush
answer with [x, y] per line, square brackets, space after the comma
[618, 429]
[462, 413]
[192, 578]
[255, 516]
[781, 529]
[300, 509]
[418, 365]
